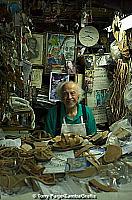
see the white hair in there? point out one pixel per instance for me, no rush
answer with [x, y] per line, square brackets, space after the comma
[61, 85]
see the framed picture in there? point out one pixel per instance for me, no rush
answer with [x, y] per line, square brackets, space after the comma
[60, 49]
[36, 78]
[70, 67]
[35, 49]
[89, 62]
[102, 60]
[100, 96]
[55, 79]
[88, 81]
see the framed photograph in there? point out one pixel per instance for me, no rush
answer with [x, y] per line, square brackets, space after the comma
[60, 49]
[36, 78]
[102, 60]
[89, 62]
[100, 97]
[70, 67]
[88, 81]
[55, 79]
[35, 49]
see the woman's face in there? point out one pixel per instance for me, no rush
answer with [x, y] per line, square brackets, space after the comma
[69, 64]
[70, 95]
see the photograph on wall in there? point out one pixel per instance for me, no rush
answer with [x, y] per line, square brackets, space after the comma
[36, 78]
[70, 67]
[89, 62]
[100, 97]
[102, 60]
[60, 49]
[55, 80]
[35, 49]
[88, 81]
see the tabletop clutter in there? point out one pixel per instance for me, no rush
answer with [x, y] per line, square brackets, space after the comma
[104, 160]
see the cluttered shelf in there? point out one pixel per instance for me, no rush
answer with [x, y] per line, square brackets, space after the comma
[16, 128]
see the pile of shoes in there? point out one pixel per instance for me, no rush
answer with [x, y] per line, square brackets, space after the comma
[67, 140]
[23, 163]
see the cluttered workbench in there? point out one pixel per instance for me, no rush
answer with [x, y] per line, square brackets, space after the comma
[66, 167]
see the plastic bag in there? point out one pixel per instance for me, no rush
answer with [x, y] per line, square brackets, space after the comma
[115, 52]
[121, 133]
[128, 96]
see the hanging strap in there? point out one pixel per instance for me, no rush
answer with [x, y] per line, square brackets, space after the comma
[58, 121]
[84, 113]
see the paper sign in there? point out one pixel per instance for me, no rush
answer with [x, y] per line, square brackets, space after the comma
[57, 164]
[10, 142]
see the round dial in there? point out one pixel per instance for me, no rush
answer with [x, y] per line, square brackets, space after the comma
[88, 36]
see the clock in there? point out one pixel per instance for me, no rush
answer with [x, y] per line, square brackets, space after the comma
[88, 36]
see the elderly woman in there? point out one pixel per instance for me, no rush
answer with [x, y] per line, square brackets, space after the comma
[69, 115]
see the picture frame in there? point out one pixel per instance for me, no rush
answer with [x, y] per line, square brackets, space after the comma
[35, 48]
[100, 96]
[102, 60]
[89, 62]
[55, 79]
[60, 48]
[36, 77]
[88, 81]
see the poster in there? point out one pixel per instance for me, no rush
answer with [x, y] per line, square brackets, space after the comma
[60, 50]
[55, 80]
[35, 49]
[97, 101]
[100, 79]
[98, 92]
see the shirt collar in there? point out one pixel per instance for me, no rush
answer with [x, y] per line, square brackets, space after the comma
[79, 111]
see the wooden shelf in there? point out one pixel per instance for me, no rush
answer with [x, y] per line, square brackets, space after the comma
[15, 128]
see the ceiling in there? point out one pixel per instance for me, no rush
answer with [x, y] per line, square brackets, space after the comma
[60, 15]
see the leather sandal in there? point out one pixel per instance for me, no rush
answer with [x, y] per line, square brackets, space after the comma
[42, 154]
[102, 187]
[40, 135]
[113, 153]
